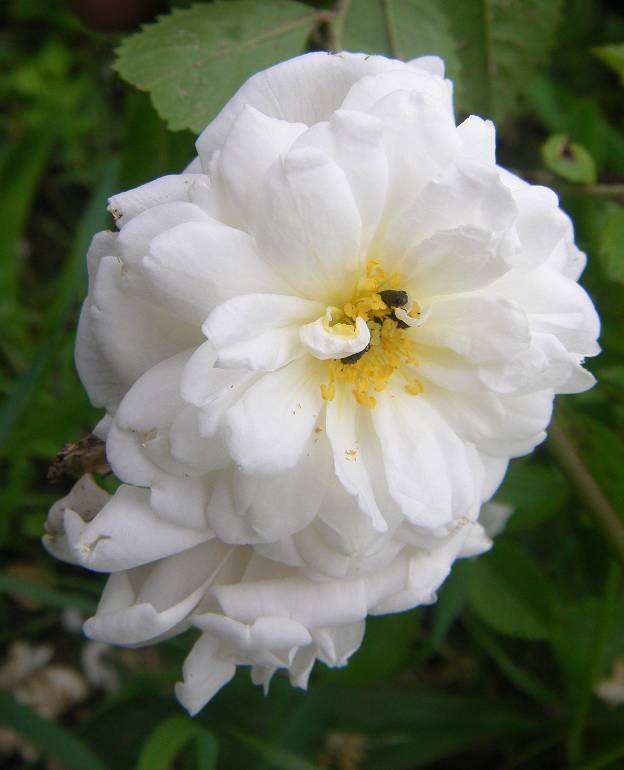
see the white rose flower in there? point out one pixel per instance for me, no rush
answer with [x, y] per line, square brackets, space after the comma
[321, 344]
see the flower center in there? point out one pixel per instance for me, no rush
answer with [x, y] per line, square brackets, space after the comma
[376, 300]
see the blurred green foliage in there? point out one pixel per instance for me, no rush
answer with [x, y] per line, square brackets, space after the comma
[501, 672]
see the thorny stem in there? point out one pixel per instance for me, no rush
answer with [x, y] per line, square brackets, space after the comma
[599, 190]
[563, 450]
[336, 26]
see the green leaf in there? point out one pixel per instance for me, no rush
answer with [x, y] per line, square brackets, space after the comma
[193, 60]
[169, 738]
[611, 246]
[509, 592]
[612, 56]
[569, 160]
[500, 45]
[403, 29]
[50, 737]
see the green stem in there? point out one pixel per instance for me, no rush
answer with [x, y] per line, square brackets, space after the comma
[564, 452]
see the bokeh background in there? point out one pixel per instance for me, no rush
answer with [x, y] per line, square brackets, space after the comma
[520, 664]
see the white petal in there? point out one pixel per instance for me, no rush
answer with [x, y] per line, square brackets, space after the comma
[350, 461]
[135, 609]
[555, 305]
[541, 225]
[243, 509]
[195, 266]
[126, 533]
[414, 579]
[496, 423]
[103, 244]
[308, 227]
[103, 384]
[336, 645]
[203, 384]
[428, 469]
[180, 500]
[325, 341]
[368, 91]
[354, 141]
[269, 427]
[138, 441]
[135, 238]
[432, 64]
[258, 331]
[124, 206]
[253, 144]
[272, 633]
[467, 195]
[131, 333]
[478, 138]
[314, 604]
[424, 125]
[453, 261]
[204, 674]
[480, 328]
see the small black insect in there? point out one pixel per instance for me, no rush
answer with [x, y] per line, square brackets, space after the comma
[354, 357]
[394, 297]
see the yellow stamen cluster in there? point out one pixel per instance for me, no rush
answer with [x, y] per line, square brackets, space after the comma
[391, 349]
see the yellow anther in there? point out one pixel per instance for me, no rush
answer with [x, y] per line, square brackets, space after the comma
[391, 347]
[328, 391]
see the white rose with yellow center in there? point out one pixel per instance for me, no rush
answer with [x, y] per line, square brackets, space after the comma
[319, 347]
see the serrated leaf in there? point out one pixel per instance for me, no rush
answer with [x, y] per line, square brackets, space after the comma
[569, 160]
[611, 246]
[193, 60]
[403, 29]
[508, 590]
[500, 45]
[613, 57]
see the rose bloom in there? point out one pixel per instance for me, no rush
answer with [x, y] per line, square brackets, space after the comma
[317, 348]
